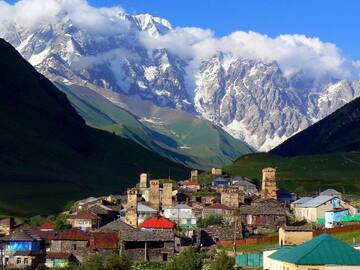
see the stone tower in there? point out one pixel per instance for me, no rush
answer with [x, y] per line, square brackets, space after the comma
[232, 198]
[167, 195]
[269, 187]
[194, 175]
[131, 215]
[154, 194]
[144, 180]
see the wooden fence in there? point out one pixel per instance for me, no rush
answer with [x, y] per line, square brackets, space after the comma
[275, 239]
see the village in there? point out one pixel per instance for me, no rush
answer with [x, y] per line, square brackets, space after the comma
[157, 219]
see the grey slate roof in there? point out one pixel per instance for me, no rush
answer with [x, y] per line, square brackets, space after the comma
[317, 201]
[132, 234]
[21, 236]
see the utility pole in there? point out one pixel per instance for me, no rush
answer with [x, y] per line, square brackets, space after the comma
[236, 214]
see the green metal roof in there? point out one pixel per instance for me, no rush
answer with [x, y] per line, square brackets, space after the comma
[322, 250]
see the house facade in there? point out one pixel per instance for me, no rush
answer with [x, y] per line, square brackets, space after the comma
[182, 215]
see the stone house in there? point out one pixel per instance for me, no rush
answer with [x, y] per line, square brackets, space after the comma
[26, 259]
[232, 197]
[219, 209]
[263, 216]
[149, 245]
[191, 185]
[72, 241]
[294, 235]
[216, 171]
[6, 225]
[84, 220]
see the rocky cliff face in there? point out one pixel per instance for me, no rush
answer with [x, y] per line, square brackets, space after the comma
[251, 99]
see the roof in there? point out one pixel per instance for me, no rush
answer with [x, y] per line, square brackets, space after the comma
[190, 182]
[104, 240]
[116, 226]
[58, 255]
[317, 201]
[263, 207]
[322, 250]
[241, 182]
[302, 200]
[181, 206]
[218, 206]
[88, 200]
[47, 226]
[335, 210]
[144, 208]
[84, 214]
[158, 222]
[132, 234]
[330, 192]
[72, 234]
[21, 236]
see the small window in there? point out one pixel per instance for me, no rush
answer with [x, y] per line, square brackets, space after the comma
[74, 247]
[18, 260]
[26, 260]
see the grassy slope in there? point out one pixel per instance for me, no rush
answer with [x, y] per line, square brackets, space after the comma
[305, 174]
[47, 153]
[183, 138]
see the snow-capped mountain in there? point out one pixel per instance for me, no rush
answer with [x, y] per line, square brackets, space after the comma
[251, 99]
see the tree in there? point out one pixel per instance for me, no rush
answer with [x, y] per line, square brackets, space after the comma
[61, 224]
[188, 259]
[69, 206]
[118, 262]
[222, 262]
[36, 221]
[210, 220]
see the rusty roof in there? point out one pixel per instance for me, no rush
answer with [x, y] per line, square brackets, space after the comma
[72, 234]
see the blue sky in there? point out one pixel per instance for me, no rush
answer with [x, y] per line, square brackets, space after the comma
[330, 20]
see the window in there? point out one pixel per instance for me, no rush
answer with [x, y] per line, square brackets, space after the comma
[74, 246]
[18, 260]
[26, 260]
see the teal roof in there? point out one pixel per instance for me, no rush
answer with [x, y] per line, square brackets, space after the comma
[322, 250]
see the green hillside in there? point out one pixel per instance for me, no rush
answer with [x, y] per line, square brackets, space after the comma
[305, 174]
[176, 135]
[49, 156]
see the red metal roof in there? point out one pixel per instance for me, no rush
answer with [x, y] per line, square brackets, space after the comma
[219, 206]
[104, 240]
[190, 182]
[58, 255]
[72, 234]
[158, 222]
[84, 214]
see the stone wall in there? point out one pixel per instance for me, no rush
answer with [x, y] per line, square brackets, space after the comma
[167, 195]
[154, 254]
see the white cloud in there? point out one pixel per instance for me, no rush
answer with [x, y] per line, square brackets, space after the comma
[293, 52]
[31, 13]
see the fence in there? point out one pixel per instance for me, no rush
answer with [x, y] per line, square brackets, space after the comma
[249, 260]
[275, 239]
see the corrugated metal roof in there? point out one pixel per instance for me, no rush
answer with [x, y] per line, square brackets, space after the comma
[158, 222]
[181, 206]
[330, 192]
[322, 250]
[303, 200]
[317, 201]
[144, 208]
